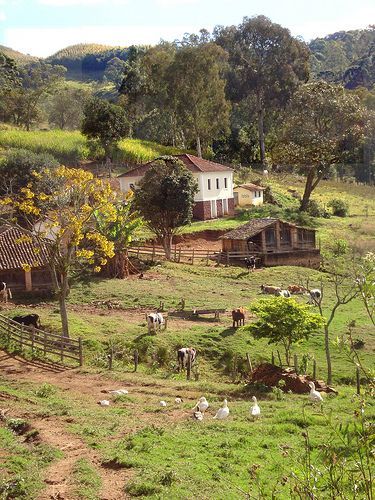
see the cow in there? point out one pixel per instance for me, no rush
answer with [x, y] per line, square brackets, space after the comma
[238, 317]
[28, 320]
[271, 290]
[285, 293]
[315, 296]
[183, 356]
[5, 292]
[154, 321]
[250, 263]
[296, 289]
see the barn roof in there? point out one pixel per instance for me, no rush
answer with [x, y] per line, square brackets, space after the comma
[193, 163]
[254, 227]
[15, 253]
[251, 187]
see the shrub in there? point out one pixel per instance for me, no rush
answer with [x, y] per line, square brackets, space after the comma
[340, 208]
[45, 390]
[315, 209]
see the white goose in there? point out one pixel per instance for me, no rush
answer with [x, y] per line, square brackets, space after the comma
[314, 395]
[255, 409]
[202, 404]
[223, 412]
[163, 403]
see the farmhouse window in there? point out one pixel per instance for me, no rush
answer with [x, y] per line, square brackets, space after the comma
[217, 184]
[225, 182]
[209, 184]
[285, 236]
[270, 237]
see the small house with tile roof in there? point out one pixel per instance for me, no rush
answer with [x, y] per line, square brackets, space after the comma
[248, 194]
[215, 185]
[23, 265]
[275, 242]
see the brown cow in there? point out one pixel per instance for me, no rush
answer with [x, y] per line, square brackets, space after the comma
[296, 289]
[272, 290]
[238, 317]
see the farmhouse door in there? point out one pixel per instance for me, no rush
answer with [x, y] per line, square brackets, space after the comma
[213, 209]
[225, 207]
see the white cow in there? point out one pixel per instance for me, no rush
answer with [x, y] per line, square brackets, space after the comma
[5, 292]
[315, 296]
[154, 322]
[285, 293]
[182, 356]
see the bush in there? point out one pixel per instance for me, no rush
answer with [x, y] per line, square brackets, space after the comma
[339, 207]
[316, 210]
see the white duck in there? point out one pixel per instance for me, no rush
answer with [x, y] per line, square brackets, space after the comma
[163, 403]
[255, 409]
[202, 404]
[314, 395]
[103, 402]
[198, 415]
[178, 401]
[223, 412]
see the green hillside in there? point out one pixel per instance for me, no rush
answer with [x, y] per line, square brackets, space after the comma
[19, 57]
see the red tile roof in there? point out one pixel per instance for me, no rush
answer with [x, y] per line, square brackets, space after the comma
[15, 255]
[251, 187]
[193, 163]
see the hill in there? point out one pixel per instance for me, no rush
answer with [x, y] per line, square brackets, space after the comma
[19, 57]
[347, 57]
[87, 61]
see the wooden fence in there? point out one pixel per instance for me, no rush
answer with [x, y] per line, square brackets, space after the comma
[38, 340]
[188, 255]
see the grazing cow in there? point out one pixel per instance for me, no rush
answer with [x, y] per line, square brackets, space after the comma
[285, 293]
[28, 320]
[183, 355]
[250, 263]
[154, 322]
[271, 290]
[238, 317]
[296, 289]
[5, 292]
[315, 296]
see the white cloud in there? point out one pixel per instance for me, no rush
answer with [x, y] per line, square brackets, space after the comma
[2, 16]
[43, 42]
[67, 3]
[174, 3]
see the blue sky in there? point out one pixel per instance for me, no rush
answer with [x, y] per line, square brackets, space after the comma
[41, 27]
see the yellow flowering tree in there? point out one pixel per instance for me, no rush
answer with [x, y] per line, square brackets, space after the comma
[66, 229]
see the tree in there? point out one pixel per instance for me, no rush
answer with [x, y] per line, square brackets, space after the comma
[9, 74]
[365, 282]
[267, 62]
[121, 231]
[283, 321]
[323, 125]
[195, 78]
[104, 122]
[165, 198]
[65, 107]
[66, 225]
[114, 71]
[18, 168]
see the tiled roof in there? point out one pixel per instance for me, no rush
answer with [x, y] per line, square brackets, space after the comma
[193, 163]
[251, 187]
[15, 255]
[254, 227]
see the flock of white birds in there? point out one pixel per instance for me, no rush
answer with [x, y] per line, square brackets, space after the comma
[223, 412]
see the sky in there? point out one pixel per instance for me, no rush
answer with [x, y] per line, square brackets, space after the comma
[41, 27]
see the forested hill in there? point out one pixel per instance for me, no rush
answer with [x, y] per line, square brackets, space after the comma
[346, 56]
[19, 57]
[88, 61]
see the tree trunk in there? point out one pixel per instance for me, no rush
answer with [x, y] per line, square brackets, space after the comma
[308, 190]
[199, 147]
[260, 111]
[167, 245]
[328, 355]
[63, 293]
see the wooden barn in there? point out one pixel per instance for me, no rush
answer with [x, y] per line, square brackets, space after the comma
[22, 267]
[274, 242]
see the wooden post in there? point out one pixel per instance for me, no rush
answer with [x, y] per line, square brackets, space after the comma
[192, 258]
[249, 362]
[136, 358]
[314, 369]
[296, 363]
[280, 363]
[188, 367]
[45, 343]
[138, 251]
[165, 322]
[80, 352]
[227, 264]
[21, 342]
[273, 358]
[175, 252]
[153, 251]
[208, 254]
[358, 380]
[110, 359]
[28, 281]
[32, 340]
[62, 350]
[219, 259]
[179, 255]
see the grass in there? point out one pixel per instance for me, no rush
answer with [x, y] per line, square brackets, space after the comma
[87, 480]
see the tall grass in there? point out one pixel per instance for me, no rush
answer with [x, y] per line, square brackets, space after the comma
[138, 151]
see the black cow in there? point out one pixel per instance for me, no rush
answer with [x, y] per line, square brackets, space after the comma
[28, 320]
[182, 356]
[250, 263]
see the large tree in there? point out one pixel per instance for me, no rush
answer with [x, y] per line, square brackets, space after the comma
[266, 62]
[165, 198]
[324, 124]
[9, 74]
[65, 106]
[105, 123]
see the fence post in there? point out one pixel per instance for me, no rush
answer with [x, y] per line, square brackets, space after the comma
[110, 359]
[280, 362]
[45, 343]
[208, 254]
[358, 380]
[179, 255]
[136, 358]
[80, 352]
[153, 252]
[32, 340]
[249, 362]
[188, 367]
[227, 264]
[192, 258]
[314, 369]
[273, 358]
[175, 252]
[21, 342]
[296, 363]
[62, 350]
[219, 259]
[138, 249]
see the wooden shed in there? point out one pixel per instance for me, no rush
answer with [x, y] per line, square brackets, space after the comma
[275, 242]
[22, 266]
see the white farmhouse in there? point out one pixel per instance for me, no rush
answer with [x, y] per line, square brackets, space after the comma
[248, 194]
[215, 185]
